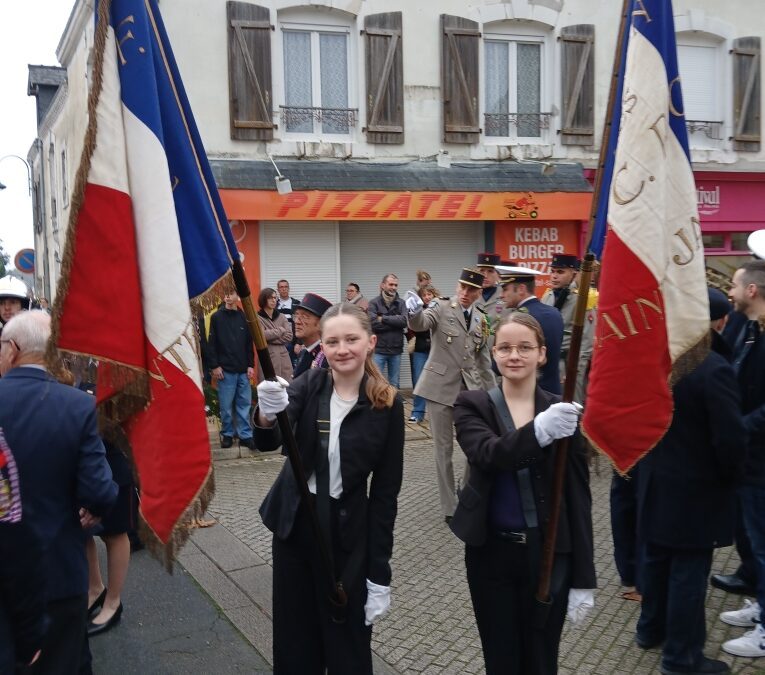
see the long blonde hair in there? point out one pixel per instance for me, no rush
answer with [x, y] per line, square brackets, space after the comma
[379, 391]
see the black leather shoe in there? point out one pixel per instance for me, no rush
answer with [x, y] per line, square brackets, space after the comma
[248, 443]
[226, 441]
[732, 583]
[98, 628]
[97, 603]
[706, 667]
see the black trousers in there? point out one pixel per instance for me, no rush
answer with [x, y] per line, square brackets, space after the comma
[674, 590]
[502, 587]
[623, 499]
[306, 639]
[747, 570]
[62, 649]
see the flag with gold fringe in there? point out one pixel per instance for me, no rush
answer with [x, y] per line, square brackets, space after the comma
[147, 240]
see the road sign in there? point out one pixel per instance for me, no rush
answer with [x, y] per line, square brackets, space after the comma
[25, 261]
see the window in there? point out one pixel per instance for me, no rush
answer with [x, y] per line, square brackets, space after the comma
[64, 180]
[316, 80]
[514, 68]
[701, 79]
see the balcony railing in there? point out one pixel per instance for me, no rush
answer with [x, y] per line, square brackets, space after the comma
[333, 120]
[526, 124]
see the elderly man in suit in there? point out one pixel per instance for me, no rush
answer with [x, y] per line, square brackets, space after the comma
[458, 360]
[67, 484]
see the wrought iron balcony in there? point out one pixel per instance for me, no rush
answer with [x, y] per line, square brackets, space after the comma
[711, 129]
[498, 124]
[337, 119]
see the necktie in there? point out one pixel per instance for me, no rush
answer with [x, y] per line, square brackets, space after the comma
[466, 312]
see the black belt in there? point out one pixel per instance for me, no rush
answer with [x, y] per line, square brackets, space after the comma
[509, 536]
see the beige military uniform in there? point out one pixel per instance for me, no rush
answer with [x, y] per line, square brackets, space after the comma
[454, 364]
[493, 308]
[588, 331]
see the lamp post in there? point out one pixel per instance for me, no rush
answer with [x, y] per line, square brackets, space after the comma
[29, 172]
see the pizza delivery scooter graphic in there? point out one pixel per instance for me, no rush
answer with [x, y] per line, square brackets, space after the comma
[525, 207]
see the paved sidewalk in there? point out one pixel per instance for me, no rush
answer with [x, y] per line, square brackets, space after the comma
[430, 628]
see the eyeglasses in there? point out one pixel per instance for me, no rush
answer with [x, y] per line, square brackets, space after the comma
[524, 350]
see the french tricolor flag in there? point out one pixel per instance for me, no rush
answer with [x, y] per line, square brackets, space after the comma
[147, 237]
[653, 314]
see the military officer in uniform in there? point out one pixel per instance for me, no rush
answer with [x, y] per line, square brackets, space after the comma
[491, 303]
[562, 295]
[459, 345]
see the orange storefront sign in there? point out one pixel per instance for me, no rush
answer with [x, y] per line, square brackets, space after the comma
[379, 205]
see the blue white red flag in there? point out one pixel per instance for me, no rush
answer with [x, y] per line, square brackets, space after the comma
[147, 236]
[653, 313]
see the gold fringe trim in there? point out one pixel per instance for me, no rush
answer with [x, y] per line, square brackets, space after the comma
[166, 552]
[213, 296]
[80, 183]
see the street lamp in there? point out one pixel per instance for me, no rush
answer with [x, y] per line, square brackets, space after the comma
[29, 172]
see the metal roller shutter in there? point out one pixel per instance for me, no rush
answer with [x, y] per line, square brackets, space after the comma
[304, 253]
[370, 250]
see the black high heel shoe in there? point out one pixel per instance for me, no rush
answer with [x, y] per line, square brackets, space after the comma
[97, 603]
[98, 628]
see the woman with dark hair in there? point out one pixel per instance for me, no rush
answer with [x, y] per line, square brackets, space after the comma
[349, 425]
[507, 435]
[277, 331]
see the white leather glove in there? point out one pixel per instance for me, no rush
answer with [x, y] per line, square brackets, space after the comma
[413, 302]
[272, 397]
[378, 602]
[558, 421]
[580, 602]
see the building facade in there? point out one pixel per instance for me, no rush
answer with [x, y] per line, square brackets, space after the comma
[417, 134]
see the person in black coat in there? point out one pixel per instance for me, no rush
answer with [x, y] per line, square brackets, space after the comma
[686, 491]
[365, 436]
[507, 436]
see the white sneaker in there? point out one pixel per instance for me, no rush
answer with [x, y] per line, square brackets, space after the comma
[747, 616]
[751, 644]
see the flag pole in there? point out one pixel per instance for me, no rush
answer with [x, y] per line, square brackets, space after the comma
[544, 599]
[337, 595]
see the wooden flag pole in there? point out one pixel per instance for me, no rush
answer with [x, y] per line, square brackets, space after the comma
[543, 597]
[338, 598]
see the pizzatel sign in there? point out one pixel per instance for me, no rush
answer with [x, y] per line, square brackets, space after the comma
[377, 205]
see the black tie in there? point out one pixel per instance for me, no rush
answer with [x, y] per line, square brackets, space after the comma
[466, 312]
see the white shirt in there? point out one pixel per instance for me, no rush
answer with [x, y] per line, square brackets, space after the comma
[338, 409]
[284, 303]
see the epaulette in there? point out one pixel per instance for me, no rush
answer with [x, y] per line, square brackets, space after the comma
[481, 309]
[443, 297]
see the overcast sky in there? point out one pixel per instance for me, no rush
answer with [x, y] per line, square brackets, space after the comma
[29, 33]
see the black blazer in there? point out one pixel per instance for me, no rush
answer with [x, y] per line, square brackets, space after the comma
[686, 484]
[371, 442]
[490, 450]
[552, 326]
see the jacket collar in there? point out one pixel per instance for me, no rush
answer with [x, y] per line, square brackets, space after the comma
[29, 373]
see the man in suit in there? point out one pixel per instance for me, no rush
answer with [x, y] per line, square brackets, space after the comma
[67, 484]
[686, 498]
[492, 304]
[518, 295]
[562, 295]
[307, 316]
[748, 296]
[459, 346]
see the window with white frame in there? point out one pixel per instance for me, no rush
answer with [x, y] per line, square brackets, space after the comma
[515, 86]
[700, 66]
[64, 180]
[317, 79]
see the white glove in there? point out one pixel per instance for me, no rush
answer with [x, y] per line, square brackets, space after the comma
[413, 302]
[272, 397]
[378, 602]
[558, 421]
[580, 602]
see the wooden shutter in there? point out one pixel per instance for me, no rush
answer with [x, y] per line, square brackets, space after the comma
[578, 84]
[746, 94]
[385, 78]
[459, 79]
[249, 71]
